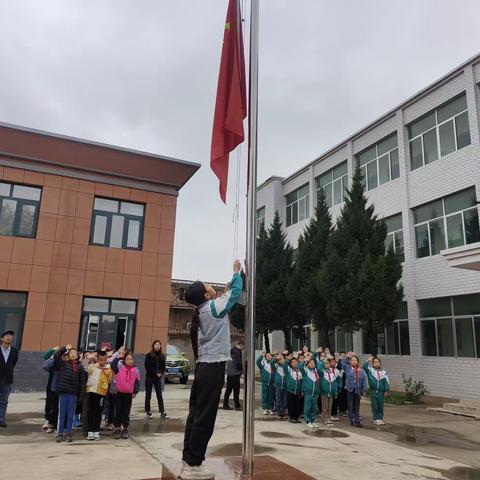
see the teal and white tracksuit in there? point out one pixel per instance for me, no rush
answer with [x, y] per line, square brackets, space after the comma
[379, 384]
[267, 373]
[311, 391]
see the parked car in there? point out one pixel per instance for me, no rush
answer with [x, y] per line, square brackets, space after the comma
[177, 365]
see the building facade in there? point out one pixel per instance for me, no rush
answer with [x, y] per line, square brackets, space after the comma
[421, 166]
[86, 244]
[181, 316]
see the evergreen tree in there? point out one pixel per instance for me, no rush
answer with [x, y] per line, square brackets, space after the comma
[261, 299]
[359, 279]
[303, 288]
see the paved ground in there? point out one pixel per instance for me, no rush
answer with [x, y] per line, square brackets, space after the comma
[414, 445]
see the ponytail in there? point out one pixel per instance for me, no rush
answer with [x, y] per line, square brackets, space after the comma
[194, 331]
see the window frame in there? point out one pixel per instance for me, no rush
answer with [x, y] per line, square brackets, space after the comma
[20, 203]
[364, 168]
[436, 127]
[4, 310]
[289, 207]
[260, 218]
[343, 179]
[394, 234]
[108, 228]
[444, 216]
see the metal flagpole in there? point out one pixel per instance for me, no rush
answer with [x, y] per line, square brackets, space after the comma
[249, 359]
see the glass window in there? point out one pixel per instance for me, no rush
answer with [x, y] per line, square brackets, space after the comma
[12, 314]
[297, 205]
[422, 240]
[117, 224]
[428, 212]
[404, 338]
[394, 236]
[437, 236]
[19, 207]
[123, 306]
[460, 201]
[394, 164]
[445, 337]
[435, 307]
[260, 218]
[372, 179]
[429, 338]
[465, 338]
[476, 322]
[447, 127]
[472, 228]
[466, 304]
[91, 304]
[455, 230]
[384, 169]
[333, 183]
[392, 345]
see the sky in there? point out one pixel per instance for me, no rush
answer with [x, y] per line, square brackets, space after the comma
[143, 75]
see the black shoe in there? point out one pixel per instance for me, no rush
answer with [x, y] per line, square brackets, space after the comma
[3, 425]
[238, 408]
[117, 435]
[163, 416]
[68, 438]
[227, 407]
[59, 438]
[124, 434]
[358, 424]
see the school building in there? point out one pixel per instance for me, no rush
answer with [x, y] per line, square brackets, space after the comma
[421, 163]
[86, 245]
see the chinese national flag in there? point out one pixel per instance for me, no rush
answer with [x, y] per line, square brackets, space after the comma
[231, 104]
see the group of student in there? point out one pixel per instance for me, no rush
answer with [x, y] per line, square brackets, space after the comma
[81, 389]
[306, 383]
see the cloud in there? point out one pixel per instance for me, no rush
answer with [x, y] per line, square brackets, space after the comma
[143, 75]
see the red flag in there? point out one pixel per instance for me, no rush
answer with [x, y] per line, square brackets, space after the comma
[231, 103]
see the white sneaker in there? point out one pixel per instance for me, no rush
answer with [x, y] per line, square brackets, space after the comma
[310, 425]
[264, 412]
[96, 435]
[45, 425]
[316, 425]
[195, 473]
[148, 415]
[91, 436]
[335, 419]
[380, 422]
[271, 412]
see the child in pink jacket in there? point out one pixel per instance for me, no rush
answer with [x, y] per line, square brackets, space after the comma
[127, 378]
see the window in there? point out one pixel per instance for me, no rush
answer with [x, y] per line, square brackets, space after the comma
[19, 206]
[12, 314]
[439, 133]
[379, 164]
[334, 183]
[107, 322]
[446, 223]
[394, 238]
[260, 218]
[117, 224]
[395, 338]
[298, 205]
[451, 326]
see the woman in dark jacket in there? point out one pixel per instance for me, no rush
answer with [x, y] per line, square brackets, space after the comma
[71, 382]
[155, 368]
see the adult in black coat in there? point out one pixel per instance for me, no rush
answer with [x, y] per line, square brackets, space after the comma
[234, 372]
[8, 360]
[154, 368]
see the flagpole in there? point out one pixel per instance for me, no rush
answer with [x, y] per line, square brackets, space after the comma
[249, 360]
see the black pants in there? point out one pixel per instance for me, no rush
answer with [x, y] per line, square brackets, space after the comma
[233, 384]
[52, 410]
[95, 408]
[340, 403]
[319, 404]
[204, 398]
[112, 402]
[123, 405]
[48, 400]
[157, 383]
[85, 403]
[294, 404]
[353, 400]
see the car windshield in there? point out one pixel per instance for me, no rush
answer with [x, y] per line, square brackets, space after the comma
[171, 350]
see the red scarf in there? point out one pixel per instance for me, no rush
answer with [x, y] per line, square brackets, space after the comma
[356, 374]
[317, 379]
[378, 374]
[74, 367]
[329, 376]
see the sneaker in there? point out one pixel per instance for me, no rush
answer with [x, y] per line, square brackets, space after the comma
[45, 425]
[335, 419]
[50, 429]
[227, 407]
[117, 434]
[310, 425]
[68, 438]
[264, 412]
[380, 422]
[91, 436]
[148, 415]
[124, 434]
[238, 408]
[96, 435]
[271, 412]
[59, 438]
[358, 424]
[163, 416]
[344, 414]
[195, 473]
[329, 424]
[316, 425]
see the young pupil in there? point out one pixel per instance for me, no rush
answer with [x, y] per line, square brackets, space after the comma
[280, 387]
[339, 380]
[294, 388]
[100, 376]
[341, 407]
[311, 391]
[379, 387]
[266, 365]
[51, 402]
[328, 390]
[127, 379]
[355, 385]
[71, 381]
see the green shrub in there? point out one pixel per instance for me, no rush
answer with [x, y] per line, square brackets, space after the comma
[414, 390]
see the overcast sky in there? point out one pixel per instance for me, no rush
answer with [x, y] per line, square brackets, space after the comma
[143, 75]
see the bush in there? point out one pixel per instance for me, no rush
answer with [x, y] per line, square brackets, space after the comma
[414, 390]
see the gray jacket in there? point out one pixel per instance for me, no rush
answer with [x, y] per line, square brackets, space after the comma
[235, 366]
[214, 328]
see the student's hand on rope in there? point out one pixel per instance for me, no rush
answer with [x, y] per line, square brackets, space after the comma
[237, 266]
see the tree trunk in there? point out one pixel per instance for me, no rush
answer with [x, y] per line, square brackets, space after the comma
[288, 341]
[266, 341]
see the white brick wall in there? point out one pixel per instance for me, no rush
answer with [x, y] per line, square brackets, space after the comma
[426, 277]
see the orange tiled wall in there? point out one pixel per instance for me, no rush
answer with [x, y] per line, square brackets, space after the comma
[59, 266]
